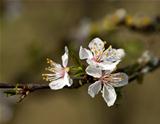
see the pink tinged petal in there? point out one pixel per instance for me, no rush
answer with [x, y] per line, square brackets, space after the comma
[65, 57]
[60, 83]
[94, 88]
[119, 79]
[98, 65]
[109, 95]
[93, 71]
[96, 45]
[84, 53]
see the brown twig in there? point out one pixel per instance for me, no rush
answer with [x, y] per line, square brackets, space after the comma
[132, 76]
[135, 72]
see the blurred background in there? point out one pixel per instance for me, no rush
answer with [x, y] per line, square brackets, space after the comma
[32, 30]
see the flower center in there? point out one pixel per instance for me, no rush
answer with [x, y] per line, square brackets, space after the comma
[106, 78]
[97, 58]
[62, 72]
[67, 69]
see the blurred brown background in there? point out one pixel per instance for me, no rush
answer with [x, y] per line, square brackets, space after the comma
[32, 30]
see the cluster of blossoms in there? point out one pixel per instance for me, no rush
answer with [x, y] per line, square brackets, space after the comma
[101, 63]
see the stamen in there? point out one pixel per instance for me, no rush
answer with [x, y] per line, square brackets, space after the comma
[49, 61]
[106, 78]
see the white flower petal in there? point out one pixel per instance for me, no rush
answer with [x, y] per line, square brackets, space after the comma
[113, 55]
[91, 62]
[120, 53]
[70, 82]
[94, 88]
[57, 84]
[67, 79]
[61, 82]
[84, 53]
[119, 79]
[65, 57]
[108, 65]
[93, 71]
[109, 94]
[96, 45]
[108, 52]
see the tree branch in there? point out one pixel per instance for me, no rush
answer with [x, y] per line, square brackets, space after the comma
[135, 72]
[132, 76]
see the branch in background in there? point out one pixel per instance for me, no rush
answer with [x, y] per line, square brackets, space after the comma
[145, 64]
[111, 22]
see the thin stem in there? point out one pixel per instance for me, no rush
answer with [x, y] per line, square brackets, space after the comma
[134, 71]
[39, 86]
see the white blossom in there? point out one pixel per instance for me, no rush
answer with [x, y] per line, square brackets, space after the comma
[106, 83]
[98, 57]
[59, 76]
